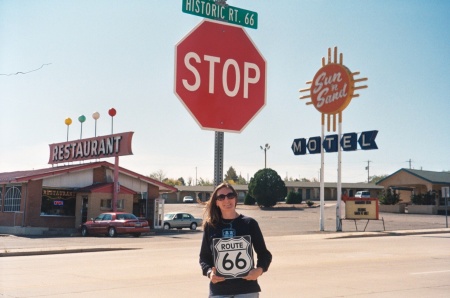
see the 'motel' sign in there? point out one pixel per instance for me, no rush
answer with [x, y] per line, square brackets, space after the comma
[349, 142]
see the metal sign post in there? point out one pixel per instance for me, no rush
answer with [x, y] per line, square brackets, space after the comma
[331, 91]
[446, 195]
[218, 158]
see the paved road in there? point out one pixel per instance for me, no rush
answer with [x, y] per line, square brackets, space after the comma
[306, 263]
[314, 265]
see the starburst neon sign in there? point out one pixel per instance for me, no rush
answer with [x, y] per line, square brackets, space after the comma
[332, 88]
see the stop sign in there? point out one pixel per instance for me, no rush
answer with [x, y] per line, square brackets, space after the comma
[220, 76]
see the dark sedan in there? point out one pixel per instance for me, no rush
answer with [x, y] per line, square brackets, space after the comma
[114, 223]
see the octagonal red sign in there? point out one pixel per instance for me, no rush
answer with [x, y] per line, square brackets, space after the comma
[220, 76]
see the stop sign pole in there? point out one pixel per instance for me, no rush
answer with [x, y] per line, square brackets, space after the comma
[220, 78]
[218, 157]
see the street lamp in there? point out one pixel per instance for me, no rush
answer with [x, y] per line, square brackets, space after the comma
[265, 148]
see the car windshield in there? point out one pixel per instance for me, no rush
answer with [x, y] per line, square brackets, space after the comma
[168, 216]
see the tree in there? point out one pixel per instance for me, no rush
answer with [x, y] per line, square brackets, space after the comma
[375, 178]
[241, 180]
[204, 182]
[158, 175]
[267, 187]
[172, 182]
[231, 175]
[181, 181]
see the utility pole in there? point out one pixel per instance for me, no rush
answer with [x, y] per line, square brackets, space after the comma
[368, 170]
[409, 161]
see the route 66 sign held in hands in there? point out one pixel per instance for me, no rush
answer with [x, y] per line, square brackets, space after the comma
[233, 257]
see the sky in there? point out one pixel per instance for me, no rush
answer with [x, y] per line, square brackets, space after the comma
[61, 59]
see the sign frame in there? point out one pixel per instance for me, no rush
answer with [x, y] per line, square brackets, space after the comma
[214, 10]
[223, 88]
[236, 247]
[361, 208]
[113, 145]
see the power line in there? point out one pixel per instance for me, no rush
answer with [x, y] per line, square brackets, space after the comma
[21, 72]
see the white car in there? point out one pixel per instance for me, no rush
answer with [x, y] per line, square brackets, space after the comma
[188, 199]
[362, 194]
[179, 220]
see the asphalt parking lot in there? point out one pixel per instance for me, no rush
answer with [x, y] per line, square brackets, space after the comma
[300, 219]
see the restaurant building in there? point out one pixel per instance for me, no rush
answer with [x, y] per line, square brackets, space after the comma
[58, 199]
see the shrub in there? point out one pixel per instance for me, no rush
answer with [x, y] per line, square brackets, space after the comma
[294, 198]
[424, 199]
[388, 197]
[309, 203]
[249, 200]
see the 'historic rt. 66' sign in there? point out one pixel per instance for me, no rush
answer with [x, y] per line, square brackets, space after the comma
[220, 76]
[330, 143]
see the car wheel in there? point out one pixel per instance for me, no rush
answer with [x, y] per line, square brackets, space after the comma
[112, 232]
[136, 234]
[193, 226]
[84, 231]
[166, 226]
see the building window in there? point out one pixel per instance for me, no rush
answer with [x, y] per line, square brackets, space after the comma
[13, 197]
[58, 202]
[106, 204]
[1, 197]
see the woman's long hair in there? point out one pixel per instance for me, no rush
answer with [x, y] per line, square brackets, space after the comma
[213, 215]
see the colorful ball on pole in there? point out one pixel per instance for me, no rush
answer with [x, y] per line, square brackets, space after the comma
[96, 115]
[82, 118]
[112, 112]
[68, 121]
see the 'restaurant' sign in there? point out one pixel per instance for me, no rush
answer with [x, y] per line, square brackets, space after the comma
[92, 148]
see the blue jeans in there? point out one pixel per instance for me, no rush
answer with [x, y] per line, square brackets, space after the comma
[249, 295]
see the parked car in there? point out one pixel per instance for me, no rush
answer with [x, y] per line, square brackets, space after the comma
[181, 220]
[188, 199]
[362, 194]
[114, 223]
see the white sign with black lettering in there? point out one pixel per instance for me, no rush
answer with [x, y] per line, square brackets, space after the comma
[233, 257]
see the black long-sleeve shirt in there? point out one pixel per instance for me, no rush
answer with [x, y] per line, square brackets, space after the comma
[243, 226]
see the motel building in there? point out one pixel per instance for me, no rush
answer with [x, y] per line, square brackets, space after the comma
[56, 200]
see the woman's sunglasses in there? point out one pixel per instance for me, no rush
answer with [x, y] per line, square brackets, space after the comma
[230, 196]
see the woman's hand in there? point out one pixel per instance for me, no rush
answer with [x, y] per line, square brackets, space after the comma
[254, 274]
[214, 278]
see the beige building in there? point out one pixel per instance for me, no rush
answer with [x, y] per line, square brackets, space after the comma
[309, 191]
[408, 182]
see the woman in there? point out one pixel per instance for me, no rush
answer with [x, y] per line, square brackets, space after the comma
[223, 224]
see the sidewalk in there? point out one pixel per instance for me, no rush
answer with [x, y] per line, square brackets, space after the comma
[11, 246]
